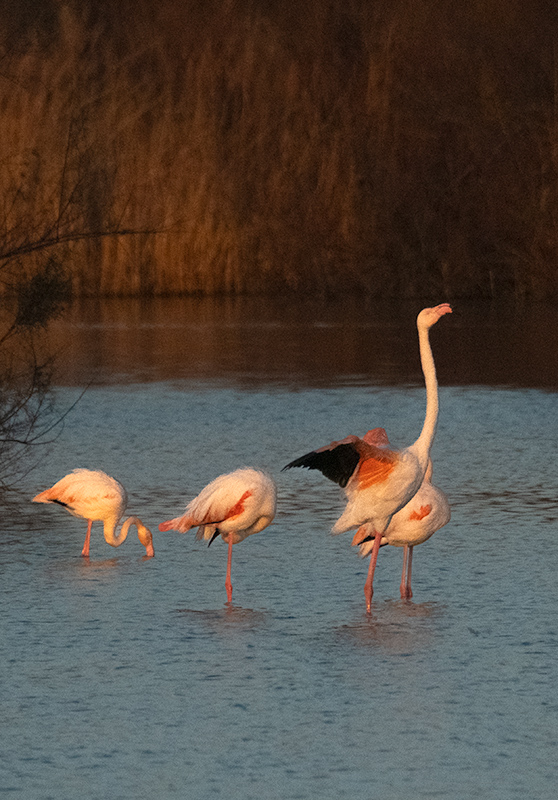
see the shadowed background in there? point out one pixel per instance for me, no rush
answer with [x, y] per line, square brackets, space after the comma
[394, 148]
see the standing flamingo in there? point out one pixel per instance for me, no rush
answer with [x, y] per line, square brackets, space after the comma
[424, 514]
[94, 495]
[378, 480]
[234, 505]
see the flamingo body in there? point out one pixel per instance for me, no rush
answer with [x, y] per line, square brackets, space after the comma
[384, 481]
[427, 512]
[94, 495]
[234, 505]
[378, 480]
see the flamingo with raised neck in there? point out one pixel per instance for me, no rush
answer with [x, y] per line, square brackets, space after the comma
[377, 479]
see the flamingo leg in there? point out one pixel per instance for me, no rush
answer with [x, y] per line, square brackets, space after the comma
[85, 551]
[368, 588]
[228, 584]
[408, 586]
[405, 587]
[402, 586]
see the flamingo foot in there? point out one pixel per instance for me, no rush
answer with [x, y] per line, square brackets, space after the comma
[368, 593]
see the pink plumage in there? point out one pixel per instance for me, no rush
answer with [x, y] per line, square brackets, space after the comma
[427, 512]
[234, 505]
[377, 479]
[94, 495]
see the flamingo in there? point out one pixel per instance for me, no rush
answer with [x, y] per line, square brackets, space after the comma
[377, 479]
[424, 514]
[235, 505]
[94, 495]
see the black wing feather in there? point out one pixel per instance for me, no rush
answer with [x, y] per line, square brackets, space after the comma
[215, 535]
[60, 503]
[337, 464]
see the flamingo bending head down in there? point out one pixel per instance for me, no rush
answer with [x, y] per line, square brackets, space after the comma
[94, 495]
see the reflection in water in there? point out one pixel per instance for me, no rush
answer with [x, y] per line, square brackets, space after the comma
[80, 568]
[304, 343]
[391, 626]
[104, 564]
[123, 673]
[109, 563]
[229, 615]
[82, 571]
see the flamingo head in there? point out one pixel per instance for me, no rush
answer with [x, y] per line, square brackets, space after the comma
[146, 538]
[430, 316]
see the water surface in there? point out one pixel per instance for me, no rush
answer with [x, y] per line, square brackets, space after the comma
[132, 678]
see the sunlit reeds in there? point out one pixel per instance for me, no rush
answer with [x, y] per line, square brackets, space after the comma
[392, 148]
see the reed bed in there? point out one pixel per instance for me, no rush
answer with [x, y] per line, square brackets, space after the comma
[392, 148]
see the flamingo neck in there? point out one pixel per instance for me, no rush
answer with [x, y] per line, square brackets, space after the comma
[424, 442]
[115, 540]
[109, 530]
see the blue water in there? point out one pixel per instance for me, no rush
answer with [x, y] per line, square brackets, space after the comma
[131, 678]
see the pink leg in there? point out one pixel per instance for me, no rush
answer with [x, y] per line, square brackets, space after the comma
[85, 551]
[368, 588]
[402, 586]
[409, 592]
[405, 588]
[228, 584]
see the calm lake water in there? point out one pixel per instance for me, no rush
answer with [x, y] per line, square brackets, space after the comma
[127, 678]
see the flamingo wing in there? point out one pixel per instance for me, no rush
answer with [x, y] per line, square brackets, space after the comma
[235, 501]
[336, 461]
[91, 494]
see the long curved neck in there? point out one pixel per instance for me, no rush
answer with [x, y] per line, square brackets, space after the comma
[115, 540]
[424, 442]
[109, 530]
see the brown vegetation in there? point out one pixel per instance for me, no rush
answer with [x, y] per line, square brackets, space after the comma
[395, 148]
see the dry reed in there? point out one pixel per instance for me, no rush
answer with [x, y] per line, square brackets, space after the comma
[392, 148]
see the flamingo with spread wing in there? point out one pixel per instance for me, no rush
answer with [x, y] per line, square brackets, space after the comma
[377, 479]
